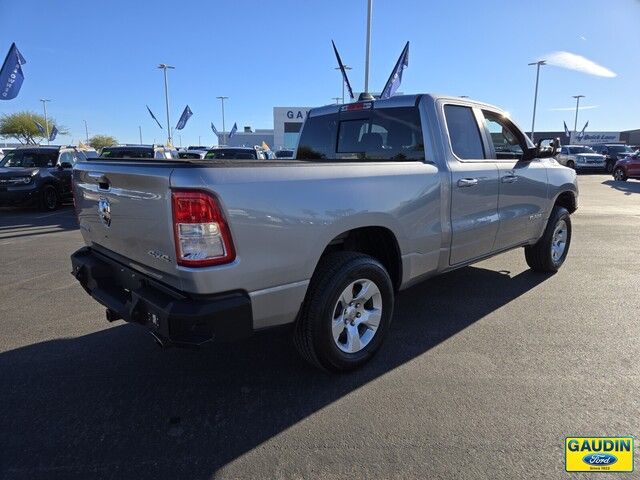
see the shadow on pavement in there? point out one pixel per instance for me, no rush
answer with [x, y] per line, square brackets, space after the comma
[25, 222]
[628, 187]
[112, 404]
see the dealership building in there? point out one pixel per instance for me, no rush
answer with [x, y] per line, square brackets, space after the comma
[287, 123]
[628, 137]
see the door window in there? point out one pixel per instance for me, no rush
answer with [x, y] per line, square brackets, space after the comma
[506, 138]
[464, 134]
[67, 157]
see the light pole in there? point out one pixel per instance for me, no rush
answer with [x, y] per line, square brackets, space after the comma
[86, 131]
[140, 133]
[366, 60]
[224, 131]
[538, 64]
[337, 99]
[164, 67]
[346, 67]
[46, 120]
[575, 123]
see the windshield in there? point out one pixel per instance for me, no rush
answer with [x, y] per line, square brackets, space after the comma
[574, 150]
[22, 159]
[232, 153]
[620, 149]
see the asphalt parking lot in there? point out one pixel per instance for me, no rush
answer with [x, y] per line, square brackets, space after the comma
[485, 372]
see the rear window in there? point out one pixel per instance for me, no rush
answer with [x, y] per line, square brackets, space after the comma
[284, 154]
[463, 132]
[232, 154]
[385, 134]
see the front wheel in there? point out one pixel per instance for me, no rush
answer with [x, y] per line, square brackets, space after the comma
[49, 200]
[346, 313]
[619, 175]
[549, 253]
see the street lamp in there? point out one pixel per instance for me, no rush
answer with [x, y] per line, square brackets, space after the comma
[46, 120]
[538, 64]
[140, 133]
[346, 67]
[224, 131]
[368, 45]
[164, 67]
[337, 99]
[575, 123]
[86, 131]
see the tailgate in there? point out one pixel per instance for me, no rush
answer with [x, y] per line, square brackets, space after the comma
[126, 208]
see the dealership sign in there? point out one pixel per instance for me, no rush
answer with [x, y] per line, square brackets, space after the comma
[592, 138]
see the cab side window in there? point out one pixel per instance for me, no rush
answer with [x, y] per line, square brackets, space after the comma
[506, 138]
[464, 134]
[564, 151]
[66, 158]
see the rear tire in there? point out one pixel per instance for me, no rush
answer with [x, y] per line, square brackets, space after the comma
[346, 313]
[619, 175]
[49, 198]
[549, 253]
[571, 164]
[609, 167]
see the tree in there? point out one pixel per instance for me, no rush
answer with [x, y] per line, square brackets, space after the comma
[101, 141]
[22, 127]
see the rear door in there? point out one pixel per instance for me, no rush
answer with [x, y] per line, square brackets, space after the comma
[522, 196]
[474, 187]
[125, 208]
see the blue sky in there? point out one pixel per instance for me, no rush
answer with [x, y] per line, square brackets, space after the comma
[97, 60]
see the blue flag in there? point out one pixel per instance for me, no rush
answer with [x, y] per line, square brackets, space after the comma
[215, 130]
[153, 116]
[186, 115]
[11, 76]
[581, 134]
[345, 79]
[40, 128]
[567, 133]
[53, 134]
[396, 76]
[233, 130]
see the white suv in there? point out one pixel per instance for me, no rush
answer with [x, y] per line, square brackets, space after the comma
[580, 157]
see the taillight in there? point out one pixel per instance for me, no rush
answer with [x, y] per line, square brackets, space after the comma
[201, 232]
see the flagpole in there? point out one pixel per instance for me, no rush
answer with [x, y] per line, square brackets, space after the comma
[46, 121]
[164, 67]
[366, 60]
[224, 131]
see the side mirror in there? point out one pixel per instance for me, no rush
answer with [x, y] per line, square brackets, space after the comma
[547, 147]
[64, 166]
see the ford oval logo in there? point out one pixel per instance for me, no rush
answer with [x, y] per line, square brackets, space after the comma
[599, 459]
[104, 211]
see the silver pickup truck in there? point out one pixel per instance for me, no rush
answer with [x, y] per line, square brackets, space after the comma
[382, 194]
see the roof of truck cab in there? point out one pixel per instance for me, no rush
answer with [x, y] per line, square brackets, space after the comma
[400, 101]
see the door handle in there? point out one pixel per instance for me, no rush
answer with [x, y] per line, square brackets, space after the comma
[509, 179]
[467, 182]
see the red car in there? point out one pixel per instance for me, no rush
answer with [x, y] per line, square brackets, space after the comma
[628, 167]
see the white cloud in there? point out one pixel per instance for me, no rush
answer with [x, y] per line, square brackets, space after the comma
[579, 63]
[572, 109]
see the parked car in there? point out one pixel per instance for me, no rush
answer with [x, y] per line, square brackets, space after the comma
[38, 175]
[628, 167]
[139, 151]
[193, 154]
[284, 154]
[613, 152]
[236, 153]
[580, 157]
[375, 201]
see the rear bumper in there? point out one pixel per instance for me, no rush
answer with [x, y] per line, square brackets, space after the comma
[174, 317]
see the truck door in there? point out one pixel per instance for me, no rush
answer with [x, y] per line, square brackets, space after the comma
[522, 200]
[474, 187]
